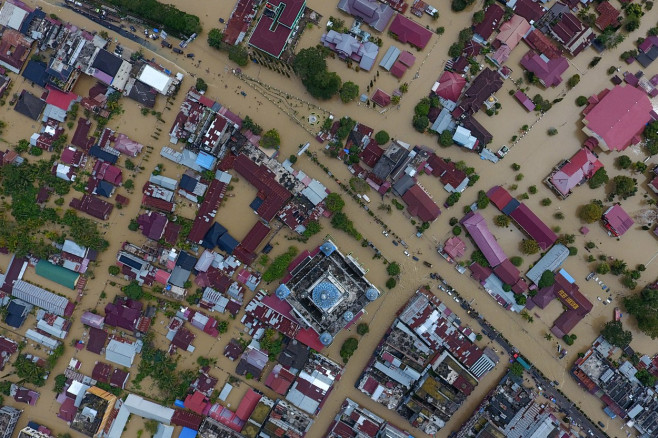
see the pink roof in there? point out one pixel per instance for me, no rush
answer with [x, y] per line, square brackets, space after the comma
[398, 70]
[579, 168]
[513, 30]
[534, 226]
[619, 117]
[524, 100]
[617, 220]
[162, 276]
[59, 99]
[548, 72]
[381, 98]
[454, 247]
[407, 58]
[450, 86]
[410, 32]
[420, 204]
[477, 228]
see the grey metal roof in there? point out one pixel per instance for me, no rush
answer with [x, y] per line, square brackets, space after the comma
[552, 260]
[39, 297]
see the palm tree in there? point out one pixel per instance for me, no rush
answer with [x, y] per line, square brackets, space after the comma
[548, 336]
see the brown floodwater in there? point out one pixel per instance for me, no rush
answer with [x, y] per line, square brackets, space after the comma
[536, 152]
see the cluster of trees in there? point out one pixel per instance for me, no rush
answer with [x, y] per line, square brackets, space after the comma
[465, 36]
[623, 186]
[599, 178]
[529, 246]
[277, 268]
[651, 138]
[172, 19]
[312, 228]
[272, 342]
[614, 333]
[348, 348]
[250, 125]
[349, 91]
[311, 66]
[591, 212]
[547, 279]
[271, 139]
[644, 307]
[633, 14]
[236, 53]
[420, 120]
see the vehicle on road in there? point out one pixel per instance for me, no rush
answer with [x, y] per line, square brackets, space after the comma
[600, 423]
[449, 293]
[133, 29]
[177, 50]
[395, 242]
[146, 32]
[415, 258]
[406, 253]
[589, 276]
[165, 44]
[502, 151]
[598, 298]
[191, 55]
[428, 264]
[618, 314]
[384, 233]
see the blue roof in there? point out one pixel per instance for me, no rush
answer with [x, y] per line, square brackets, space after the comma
[104, 188]
[326, 339]
[227, 243]
[213, 234]
[348, 316]
[16, 314]
[186, 261]
[282, 292]
[328, 248]
[325, 295]
[130, 262]
[256, 203]
[205, 160]
[511, 206]
[37, 14]
[35, 71]
[568, 277]
[187, 183]
[187, 433]
[179, 403]
[99, 153]
[372, 294]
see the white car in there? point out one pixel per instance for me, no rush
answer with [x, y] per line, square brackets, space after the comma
[385, 233]
[406, 253]
[456, 299]
[609, 300]
[449, 293]
[598, 298]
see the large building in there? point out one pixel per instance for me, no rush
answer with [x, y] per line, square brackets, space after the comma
[617, 117]
[327, 290]
[277, 26]
[8, 419]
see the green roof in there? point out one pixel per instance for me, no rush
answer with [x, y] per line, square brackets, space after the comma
[58, 274]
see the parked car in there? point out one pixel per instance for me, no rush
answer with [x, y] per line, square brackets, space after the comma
[589, 276]
[502, 151]
[406, 253]
[600, 423]
[428, 264]
[166, 44]
[133, 29]
[190, 55]
[385, 233]
[177, 50]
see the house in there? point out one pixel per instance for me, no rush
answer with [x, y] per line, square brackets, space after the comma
[314, 384]
[14, 50]
[454, 247]
[389, 58]
[476, 226]
[375, 14]
[277, 26]
[543, 45]
[381, 98]
[17, 313]
[617, 117]
[7, 348]
[574, 172]
[576, 304]
[483, 86]
[101, 372]
[35, 72]
[124, 313]
[529, 9]
[493, 17]
[279, 380]
[453, 179]
[93, 206]
[391, 161]
[97, 339]
[119, 378]
[371, 154]
[569, 30]
[121, 353]
[92, 320]
[110, 69]
[348, 47]
[408, 31]
[39, 297]
[420, 204]
[103, 155]
[62, 171]
[449, 86]
[524, 100]
[463, 137]
[71, 156]
[152, 224]
[617, 221]
[511, 33]
[608, 15]
[483, 136]
[29, 105]
[551, 261]
[57, 274]
[107, 172]
[548, 71]
[253, 361]
[533, 226]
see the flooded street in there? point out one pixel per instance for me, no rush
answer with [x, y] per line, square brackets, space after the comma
[536, 153]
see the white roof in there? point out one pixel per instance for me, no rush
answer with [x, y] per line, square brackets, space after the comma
[156, 79]
[147, 409]
[12, 15]
[54, 330]
[225, 392]
[73, 248]
[46, 341]
[39, 297]
[164, 431]
[166, 182]
[120, 353]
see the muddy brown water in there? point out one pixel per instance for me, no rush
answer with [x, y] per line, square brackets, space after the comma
[536, 153]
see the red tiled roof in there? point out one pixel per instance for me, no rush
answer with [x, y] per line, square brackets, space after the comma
[492, 19]
[619, 117]
[420, 204]
[542, 44]
[410, 32]
[513, 30]
[239, 20]
[157, 203]
[187, 419]
[280, 380]
[255, 236]
[454, 247]
[381, 98]
[446, 171]
[274, 194]
[371, 154]
[608, 15]
[507, 272]
[196, 402]
[93, 206]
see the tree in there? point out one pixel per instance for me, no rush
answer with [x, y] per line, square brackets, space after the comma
[516, 261]
[445, 138]
[271, 139]
[420, 123]
[520, 299]
[278, 267]
[529, 246]
[239, 55]
[573, 81]
[348, 348]
[129, 184]
[113, 270]
[623, 186]
[215, 38]
[60, 381]
[349, 91]
[599, 178]
[455, 49]
[624, 162]
[334, 202]
[382, 137]
[201, 85]
[551, 131]
[362, 328]
[547, 279]
[456, 230]
[516, 369]
[312, 228]
[646, 378]
[617, 267]
[581, 101]
[453, 198]
[151, 426]
[569, 339]
[502, 220]
[393, 269]
[614, 333]
[249, 125]
[422, 108]
[133, 291]
[590, 213]
[478, 17]
[644, 307]
[311, 67]
[479, 258]
[390, 283]
[603, 268]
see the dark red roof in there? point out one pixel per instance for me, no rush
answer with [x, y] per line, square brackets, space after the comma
[479, 272]
[101, 372]
[371, 154]
[534, 226]
[123, 313]
[484, 85]
[80, 137]
[609, 15]
[280, 380]
[187, 419]
[274, 194]
[398, 70]
[71, 156]
[67, 410]
[247, 405]
[493, 18]
[542, 44]
[157, 203]
[97, 338]
[507, 272]
[420, 204]
[119, 378]
[529, 9]
[183, 338]
[446, 171]
[239, 20]
[410, 32]
[272, 31]
[499, 196]
[93, 206]
[255, 236]
[450, 86]
[205, 217]
[381, 98]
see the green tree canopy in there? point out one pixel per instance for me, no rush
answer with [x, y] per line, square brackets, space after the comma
[445, 138]
[529, 246]
[591, 212]
[349, 91]
[133, 290]
[624, 162]
[599, 178]
[393, 269]
[271, 139]
[623, 186]
[334, 202]
[644, 307]
[502, 220]
[311, 66]
[239, 55]
[614, 333]
[215, 38]
[547, 279]
[382, 137]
